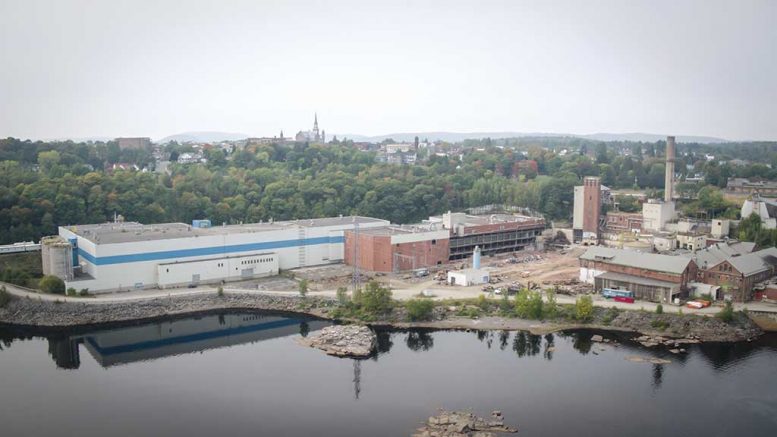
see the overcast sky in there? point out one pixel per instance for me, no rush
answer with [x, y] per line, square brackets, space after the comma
[154, 68]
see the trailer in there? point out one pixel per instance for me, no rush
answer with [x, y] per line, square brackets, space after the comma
[614, 293]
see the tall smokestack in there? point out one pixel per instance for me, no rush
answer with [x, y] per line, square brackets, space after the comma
[669, 178]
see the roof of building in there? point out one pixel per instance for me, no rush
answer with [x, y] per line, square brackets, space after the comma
[489, 219]
[402, 229]
[755, 262]
[635, 279]
[630, 258]
[125, 232]
[719, 252]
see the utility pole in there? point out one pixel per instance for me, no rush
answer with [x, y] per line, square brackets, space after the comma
[356, 275]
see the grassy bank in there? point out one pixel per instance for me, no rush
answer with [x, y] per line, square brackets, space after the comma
[23, 269]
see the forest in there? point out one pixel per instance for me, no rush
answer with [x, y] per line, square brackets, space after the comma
[47, 184]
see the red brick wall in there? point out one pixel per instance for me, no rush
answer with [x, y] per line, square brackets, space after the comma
[592, 204]
[740, 286]
[376, 253]
[424, 253]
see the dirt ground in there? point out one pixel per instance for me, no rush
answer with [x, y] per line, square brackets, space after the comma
[529, 268]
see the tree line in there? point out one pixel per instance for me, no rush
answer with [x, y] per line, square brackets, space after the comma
[48, 184]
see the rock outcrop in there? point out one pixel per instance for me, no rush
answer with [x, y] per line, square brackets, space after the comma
[344, 341]
[463, 424]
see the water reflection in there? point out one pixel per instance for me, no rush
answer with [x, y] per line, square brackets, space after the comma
[142, 342]
[384, 343]
[304, 329]
[550, 347]
[658, 375]
[526, 344]
[419, 340]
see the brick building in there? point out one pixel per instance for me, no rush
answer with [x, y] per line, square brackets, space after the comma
[493, 233]
[617, 222]
[587, 210]
[397, 248]
[752, 186]
[653, 277]
[736, 269]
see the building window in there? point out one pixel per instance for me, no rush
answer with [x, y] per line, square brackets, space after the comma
[434, 242]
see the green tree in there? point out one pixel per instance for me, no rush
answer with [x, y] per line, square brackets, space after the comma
[535, 305]
[584, 308]
[419, 309]
[303, 287]
[727, 313]
[551, 306]
[376, 299]
[659, 309]
[523, 304]
[52, 284]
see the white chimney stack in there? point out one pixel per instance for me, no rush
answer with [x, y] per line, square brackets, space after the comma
[669, 178]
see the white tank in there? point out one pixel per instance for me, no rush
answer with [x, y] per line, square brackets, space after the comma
[57, 258]
[476, 258]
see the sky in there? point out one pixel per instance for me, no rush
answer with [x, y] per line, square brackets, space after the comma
[155, 68]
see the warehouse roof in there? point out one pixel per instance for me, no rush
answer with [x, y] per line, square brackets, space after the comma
[719, 252]
[629, 258]
[124, 232]
[755, 262]
[402, 230]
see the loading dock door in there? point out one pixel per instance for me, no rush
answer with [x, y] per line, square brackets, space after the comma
[196, 279]
[247, 273]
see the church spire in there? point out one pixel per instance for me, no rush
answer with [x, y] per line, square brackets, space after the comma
[316, 135]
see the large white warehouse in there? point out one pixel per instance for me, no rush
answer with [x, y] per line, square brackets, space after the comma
[123, 256]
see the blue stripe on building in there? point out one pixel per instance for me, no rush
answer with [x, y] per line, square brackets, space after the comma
[205, 251]
[152, 344]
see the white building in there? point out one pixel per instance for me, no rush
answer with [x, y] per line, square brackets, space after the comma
[656, 214]
[766, 209]
[468, 277]
[122, 256]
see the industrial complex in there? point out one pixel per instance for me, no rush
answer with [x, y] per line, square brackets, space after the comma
[120, 255]
[657, 257]
[123, 255]
[650, 255]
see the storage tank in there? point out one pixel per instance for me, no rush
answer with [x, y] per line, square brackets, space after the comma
[57, 257]
[476, 258]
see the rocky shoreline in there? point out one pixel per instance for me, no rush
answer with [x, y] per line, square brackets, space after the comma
[35, 313]
[31, 312]
[354, 341]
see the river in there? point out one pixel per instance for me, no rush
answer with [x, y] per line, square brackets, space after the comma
[244, 374]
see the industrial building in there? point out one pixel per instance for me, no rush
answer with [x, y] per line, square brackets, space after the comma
[736, 268]
[753, 187]
[492, 233]
[121, 256]
[397, 248]
[470, 276]
[653, 277]
[450, 237]
[763, 208]
[587, 211]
